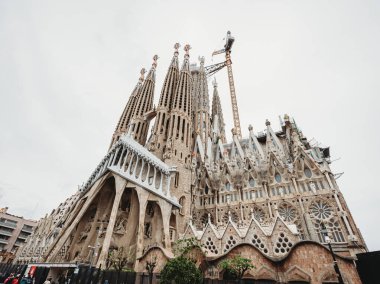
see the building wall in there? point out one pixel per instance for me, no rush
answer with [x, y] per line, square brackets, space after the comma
[14, 231]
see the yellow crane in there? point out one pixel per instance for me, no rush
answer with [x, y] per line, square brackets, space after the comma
[212, 69]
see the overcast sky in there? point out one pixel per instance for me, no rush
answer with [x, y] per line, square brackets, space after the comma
[68, 67]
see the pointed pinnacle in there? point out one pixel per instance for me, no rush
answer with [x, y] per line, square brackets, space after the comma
[186, 49]
[142, 72]
[176, 47]
[154, 64]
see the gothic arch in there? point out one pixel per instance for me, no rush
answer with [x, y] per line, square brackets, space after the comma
[89, 230]
[153, 224]
[127, 221]
[295, 273]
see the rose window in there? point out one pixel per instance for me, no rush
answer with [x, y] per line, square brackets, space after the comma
[258, 214]
[287, 213]
[321, 210]
[234, 217]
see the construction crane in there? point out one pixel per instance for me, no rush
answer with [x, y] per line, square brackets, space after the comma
[212, 69]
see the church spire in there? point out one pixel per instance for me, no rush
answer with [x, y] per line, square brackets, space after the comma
[144, 104]
[182, 98]
[180, 118]
[127, 114]
[161, 125]
[177, 152]
[217, 114]
[201, 102]
[170, 82]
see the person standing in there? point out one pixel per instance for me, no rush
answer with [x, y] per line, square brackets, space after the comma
[15, 280]
[48, 281]
[9, 279]
[26, 279]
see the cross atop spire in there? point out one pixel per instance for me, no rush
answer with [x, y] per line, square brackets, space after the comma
[186, 49]
[142, 72]
[176, 47]
[186, 64]
[154, 64]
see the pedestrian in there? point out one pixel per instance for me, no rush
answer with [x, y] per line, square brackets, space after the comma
[9, 279]
[15, 280]
[26, 279]
[48, 281]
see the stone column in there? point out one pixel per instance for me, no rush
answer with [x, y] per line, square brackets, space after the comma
[268, 202]
[166, 210]
[295, 185]
[329, 180]
[119, 187]
[143, 201]
[310, 228]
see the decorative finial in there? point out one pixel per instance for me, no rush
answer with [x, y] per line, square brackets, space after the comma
[176, 47]
[186, 49]
[154, 64]
[142, 72]
[201, 60]
[250, 127]
[286, 117]
[234, 132]
[267, 122]
[214, 83]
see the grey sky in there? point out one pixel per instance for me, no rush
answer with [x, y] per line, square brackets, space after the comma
[67, 69]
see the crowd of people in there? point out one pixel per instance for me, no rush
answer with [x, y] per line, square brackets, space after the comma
[14, 278]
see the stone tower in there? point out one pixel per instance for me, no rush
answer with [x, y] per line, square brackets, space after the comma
[217, 115]
[128, 112]
[201, 103]
[144, 105]
[160, 130]
[177, 150]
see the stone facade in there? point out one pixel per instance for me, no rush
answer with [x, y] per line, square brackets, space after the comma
[265, 196]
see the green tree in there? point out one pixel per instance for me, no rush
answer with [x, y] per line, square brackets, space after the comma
[119, 259]
[236, 266]
[189, 248]
[181, 270]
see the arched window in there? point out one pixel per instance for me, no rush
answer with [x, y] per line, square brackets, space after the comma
[277, 177]
[206, 189]
[182, 203]
[228, 186]
[307, 172]
[251, 182]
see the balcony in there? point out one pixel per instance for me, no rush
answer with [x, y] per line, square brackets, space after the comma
[22, 237]
[2, 241]
[8, 224]
[26, 229]
[5, 233]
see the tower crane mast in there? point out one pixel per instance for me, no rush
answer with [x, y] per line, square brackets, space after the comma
[212, 69]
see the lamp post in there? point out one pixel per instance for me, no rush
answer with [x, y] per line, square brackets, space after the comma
[328, 241]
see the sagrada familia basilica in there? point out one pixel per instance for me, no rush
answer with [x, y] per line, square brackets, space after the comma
[267, 196]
